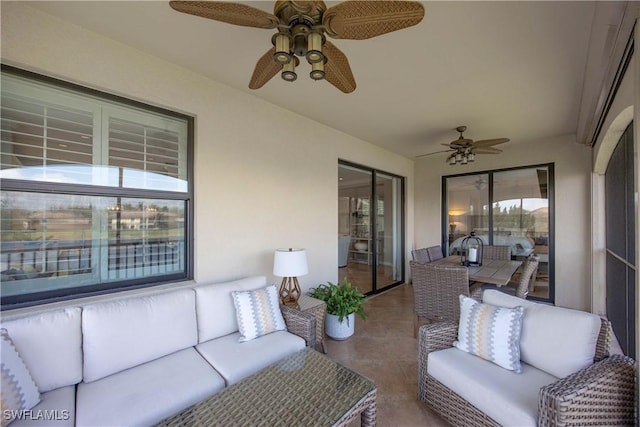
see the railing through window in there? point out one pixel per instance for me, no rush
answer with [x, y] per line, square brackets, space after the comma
[127, 259]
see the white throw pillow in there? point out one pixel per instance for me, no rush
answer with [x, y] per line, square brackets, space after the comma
[258, 312]
[490, 332]
[19, 391]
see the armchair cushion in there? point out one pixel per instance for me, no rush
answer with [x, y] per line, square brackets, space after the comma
[509, 399]
[490, 332]
[258, 312]
[557, 340]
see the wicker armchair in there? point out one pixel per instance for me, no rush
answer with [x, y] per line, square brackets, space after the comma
[521, 289]
[435, 253]
[420, 255]
[496, 252]
[601, 394]
[436, 288]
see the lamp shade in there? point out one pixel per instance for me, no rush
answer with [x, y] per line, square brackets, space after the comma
[290, 263]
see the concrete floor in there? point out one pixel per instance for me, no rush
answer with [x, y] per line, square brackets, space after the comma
[384, 350]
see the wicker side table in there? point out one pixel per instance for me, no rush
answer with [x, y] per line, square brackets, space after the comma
[318, 308]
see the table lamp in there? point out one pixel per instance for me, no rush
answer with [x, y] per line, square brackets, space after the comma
[289, 264]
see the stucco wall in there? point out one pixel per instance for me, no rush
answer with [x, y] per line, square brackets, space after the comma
[265, 177]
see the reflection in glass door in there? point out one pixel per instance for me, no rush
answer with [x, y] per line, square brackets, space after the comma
[388, 230]
[370, 230]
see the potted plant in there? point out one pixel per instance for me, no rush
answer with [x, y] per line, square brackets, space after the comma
[343, 301]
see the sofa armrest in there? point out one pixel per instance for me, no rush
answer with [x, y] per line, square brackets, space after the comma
[433, 337]
[303, 324]
[600, 394]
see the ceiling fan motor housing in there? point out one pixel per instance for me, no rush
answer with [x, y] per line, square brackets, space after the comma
[299, 34]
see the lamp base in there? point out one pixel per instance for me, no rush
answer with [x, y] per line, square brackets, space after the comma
[290, 291]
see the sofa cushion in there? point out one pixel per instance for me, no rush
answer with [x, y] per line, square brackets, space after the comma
[510, 399]
[57, 408]
[50, 344]
[490, 332]
[214, 305]
[124, 333]
[258, 312]
[19, 392]
[236, 360]
[148, 393]
[557, 340]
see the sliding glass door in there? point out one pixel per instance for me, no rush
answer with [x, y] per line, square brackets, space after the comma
[504, 207]
[388, 230]
[370, 227]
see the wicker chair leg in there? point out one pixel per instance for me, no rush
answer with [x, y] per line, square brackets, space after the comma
[416, 322]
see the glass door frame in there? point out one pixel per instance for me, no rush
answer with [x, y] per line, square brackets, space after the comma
[374, 223]
[444, 217]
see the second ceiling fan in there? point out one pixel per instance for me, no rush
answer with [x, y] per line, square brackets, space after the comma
[302, 29]
[463, 150]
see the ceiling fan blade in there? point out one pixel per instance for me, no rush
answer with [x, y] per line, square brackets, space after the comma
[435, 152]
[231, 13]
[487, 150]
[265, 69]
[490, 142]
[337, 70]
[359, 20]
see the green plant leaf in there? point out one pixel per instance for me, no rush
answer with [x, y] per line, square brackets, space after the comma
[341, 300]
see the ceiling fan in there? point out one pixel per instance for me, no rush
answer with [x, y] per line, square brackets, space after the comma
[302, 27]
[463, 150]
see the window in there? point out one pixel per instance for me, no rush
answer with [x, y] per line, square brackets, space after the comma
[504, 207]
[96, 192]
[621, 233]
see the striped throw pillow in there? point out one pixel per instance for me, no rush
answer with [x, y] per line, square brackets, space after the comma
[258, 312]
[19, 391]
[490, 332]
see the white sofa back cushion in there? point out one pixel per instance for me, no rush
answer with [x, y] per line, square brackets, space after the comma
[122, 334]
[216, 311]
[558, 340]
[50, 343]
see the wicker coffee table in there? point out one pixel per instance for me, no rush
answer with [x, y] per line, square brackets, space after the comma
[305, 389]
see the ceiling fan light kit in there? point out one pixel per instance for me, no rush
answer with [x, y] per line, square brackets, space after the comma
[464, 150]
[301, 32]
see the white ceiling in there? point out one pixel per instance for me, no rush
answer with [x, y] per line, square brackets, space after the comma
[504, 69]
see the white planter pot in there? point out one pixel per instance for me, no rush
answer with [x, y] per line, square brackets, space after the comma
[340, 331]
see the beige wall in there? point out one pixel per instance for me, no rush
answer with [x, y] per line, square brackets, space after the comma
[265, 177]
[572, 197]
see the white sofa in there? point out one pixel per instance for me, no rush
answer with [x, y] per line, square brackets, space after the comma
[559, 383]
[138, 360]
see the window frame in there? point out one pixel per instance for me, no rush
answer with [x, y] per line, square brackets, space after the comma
[49, 296]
